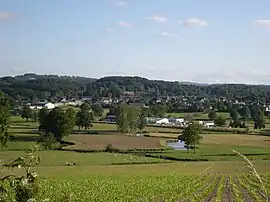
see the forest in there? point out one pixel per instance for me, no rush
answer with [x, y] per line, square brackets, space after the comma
[33, 88]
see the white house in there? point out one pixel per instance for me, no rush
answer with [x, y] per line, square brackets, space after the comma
[49, 105]
[41, 105]
[163, 121]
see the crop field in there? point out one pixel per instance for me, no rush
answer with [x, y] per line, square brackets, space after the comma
[117, 141]
[171, 187]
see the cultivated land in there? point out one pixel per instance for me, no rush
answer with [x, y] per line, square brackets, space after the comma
[104, 176]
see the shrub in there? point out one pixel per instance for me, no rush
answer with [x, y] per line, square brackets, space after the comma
[21, 188]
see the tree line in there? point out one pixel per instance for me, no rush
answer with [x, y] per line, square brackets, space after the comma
[32, 88]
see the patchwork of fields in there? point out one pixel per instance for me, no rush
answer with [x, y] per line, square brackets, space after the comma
[105, 176]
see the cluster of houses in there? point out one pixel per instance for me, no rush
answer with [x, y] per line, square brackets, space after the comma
[164, 121]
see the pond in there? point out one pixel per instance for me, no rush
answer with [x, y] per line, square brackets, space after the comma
[180, 145]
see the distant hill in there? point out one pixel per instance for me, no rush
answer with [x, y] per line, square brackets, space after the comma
[31, 87]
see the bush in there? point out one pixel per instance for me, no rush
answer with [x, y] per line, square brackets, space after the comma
[48, 142]
[21, 188]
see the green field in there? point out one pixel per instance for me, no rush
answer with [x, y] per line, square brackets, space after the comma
[104, 176]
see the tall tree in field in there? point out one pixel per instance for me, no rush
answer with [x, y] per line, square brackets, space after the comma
[212, 115]
[57, 122]
[220, 121]
[27, 113]
[121, 119]
[142, 121]
[235, 123]
[191, 136]
[97, 110]
[133, 117]
[258, 118]
[86, 106]
[4, 120]
[71, 113]
[84, 119]
[34, 116]
[42, 115]
[245, 115]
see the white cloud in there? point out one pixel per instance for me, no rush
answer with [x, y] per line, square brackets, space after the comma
[194, 22]
[5, 15]
[159, 19]
[263, 23]
[125, 24]
[109, 30]
[120, 3]
[166, 34]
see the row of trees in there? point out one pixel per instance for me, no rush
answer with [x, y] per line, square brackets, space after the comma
[129, 119]
[240, 116]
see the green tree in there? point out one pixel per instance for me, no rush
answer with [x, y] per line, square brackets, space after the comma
[98, 110]
[132, 118]
[34, 116]
[121, 119]
[245, 114]
[220, 121]
[234, 114]
[48, 141]
[58, 123]
[86, 106]
[191, 135]
[84, 119]
[212, 115]
[42, 115]
[71, 113]
[142, 121]
[27, 113]
[259, 121]
[4, 120]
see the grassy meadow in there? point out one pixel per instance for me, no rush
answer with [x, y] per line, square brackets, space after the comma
[144, 176]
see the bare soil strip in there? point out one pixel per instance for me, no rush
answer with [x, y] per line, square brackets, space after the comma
[245, 193]
[212, 196]
[228, 193]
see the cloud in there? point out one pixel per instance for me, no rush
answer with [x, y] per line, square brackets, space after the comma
[121, 3]
[166, 34]
[109, 30]
[194, 22]
[5, 16]
[159, 19]
[125, 24]
[263, 23]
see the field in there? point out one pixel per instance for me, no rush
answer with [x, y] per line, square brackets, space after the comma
[117, 141]
[105, 176]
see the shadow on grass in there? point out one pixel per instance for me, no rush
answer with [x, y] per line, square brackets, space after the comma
[24, 138]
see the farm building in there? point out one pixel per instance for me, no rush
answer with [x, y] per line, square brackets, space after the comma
[40, 105]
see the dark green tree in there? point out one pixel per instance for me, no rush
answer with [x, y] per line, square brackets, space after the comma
[97, 110]
[212, 115]
[42, 115]
[245, 114]
[132, 118]
[86, 106]
[26, 113]
[220, 121]
[57, 122]
[191, 135]
[142, 121]
[4, 120]
[121, 119]
[84, 119]
[34, 116]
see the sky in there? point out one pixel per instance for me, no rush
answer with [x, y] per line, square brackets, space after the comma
[224, 41]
